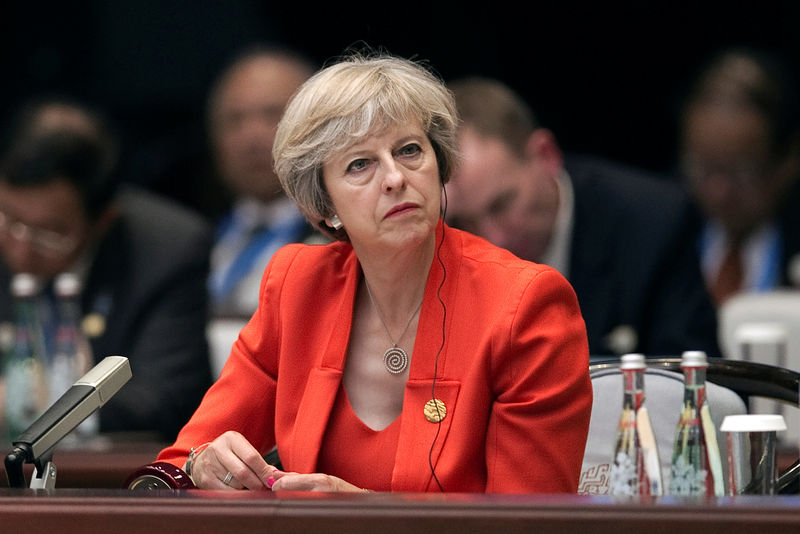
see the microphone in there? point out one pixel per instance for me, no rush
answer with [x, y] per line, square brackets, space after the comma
[86, 395]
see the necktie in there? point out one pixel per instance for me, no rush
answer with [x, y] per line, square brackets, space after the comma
[730, 275]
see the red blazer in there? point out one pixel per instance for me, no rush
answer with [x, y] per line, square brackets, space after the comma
[506, 341]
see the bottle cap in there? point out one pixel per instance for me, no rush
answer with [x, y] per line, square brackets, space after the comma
[24, 285]
[753, 422]
[694, 358]
[632, 361]
[67, 285]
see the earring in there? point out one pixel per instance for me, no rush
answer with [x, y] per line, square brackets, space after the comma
[335, 222]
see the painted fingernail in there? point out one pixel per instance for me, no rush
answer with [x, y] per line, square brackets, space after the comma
[270, 482]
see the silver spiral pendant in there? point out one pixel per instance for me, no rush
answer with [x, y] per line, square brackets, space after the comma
[395, 359]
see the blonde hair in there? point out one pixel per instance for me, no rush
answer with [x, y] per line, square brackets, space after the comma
[346, 102]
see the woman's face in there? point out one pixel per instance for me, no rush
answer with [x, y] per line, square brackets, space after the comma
[386, 189]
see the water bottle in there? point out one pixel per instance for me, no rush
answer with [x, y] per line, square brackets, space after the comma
[73, 354]
[696, 468]
[636, 469]
[25, 369]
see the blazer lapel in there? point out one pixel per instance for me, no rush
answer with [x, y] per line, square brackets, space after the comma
[421, 439]
[324, 379]
[312, 418]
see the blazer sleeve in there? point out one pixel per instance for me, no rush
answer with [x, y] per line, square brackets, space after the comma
[539, 420]
[243, 398]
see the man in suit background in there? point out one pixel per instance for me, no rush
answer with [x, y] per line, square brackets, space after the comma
[142, 261]
[739, 154]
[244, 107]
[621, 238]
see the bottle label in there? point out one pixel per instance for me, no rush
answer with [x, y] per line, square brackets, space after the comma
[686, 479]
[636, 469]
[714, 460]
[688, 471]
[647, 440]
[623, 476]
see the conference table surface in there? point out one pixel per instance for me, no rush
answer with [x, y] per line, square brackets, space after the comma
[200, 511]
[89, 497]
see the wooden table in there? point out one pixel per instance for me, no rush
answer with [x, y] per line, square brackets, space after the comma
[196, 511]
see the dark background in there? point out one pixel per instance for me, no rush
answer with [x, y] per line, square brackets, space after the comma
[604, 76]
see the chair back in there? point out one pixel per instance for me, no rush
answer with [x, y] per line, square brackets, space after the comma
[764, 327]
[221, 333]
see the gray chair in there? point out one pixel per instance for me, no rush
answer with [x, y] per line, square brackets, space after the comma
[730, 386]
[221, 334]
[764, 327]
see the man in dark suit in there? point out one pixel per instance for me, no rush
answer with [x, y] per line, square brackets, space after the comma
[244, 106]
[621, 238]
[739, 154]
[143, 262]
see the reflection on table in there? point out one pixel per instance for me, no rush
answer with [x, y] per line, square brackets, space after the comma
[197, 511]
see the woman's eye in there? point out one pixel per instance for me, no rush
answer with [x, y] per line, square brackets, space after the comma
[357, 165]
[410, 149]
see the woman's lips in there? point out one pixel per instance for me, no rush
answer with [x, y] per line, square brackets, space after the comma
[400, 209]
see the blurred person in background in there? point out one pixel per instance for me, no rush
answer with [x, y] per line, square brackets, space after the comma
[621, 237]
[244, 107]
[739, 150]
[142, 261]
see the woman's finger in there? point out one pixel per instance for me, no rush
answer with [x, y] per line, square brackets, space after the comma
[231, 462]
[312, 482]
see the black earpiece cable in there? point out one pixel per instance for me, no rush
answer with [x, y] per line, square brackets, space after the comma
[441, 347]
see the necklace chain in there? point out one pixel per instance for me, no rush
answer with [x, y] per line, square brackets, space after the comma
[395, 358]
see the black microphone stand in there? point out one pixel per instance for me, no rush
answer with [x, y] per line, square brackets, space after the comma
[36, 444]
[44, 473]
[13, 462]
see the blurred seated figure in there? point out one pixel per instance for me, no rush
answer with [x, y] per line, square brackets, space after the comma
[622, 238]
[142, 262]
[244, 107]
[739, 144]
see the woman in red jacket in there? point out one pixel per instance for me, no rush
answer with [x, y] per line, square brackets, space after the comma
[406, 355]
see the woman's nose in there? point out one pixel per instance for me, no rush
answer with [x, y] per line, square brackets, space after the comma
[394, 178]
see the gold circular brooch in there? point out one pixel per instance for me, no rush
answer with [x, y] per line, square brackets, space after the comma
[435, 411]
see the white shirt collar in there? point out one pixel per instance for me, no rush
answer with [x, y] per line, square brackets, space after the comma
[557, 253]
[250, 212]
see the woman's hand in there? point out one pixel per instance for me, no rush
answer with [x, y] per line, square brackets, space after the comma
[232, 454]
[312, 482]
